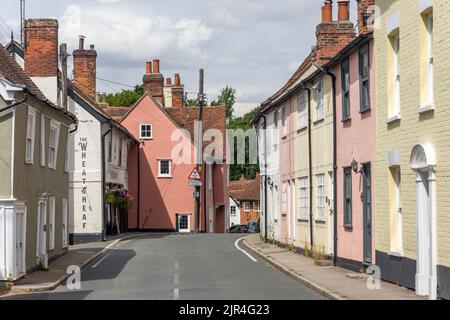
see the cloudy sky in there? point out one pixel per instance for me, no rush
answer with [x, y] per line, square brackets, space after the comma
[252, 45]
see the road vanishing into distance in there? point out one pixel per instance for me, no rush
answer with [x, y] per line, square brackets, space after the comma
[181, 267]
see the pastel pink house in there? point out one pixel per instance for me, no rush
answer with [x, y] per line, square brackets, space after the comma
[165, 201]
[354, 68]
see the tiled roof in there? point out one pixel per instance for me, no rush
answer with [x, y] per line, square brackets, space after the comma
[10, 70]
[213, 118]
[245, 189]
[117, 113]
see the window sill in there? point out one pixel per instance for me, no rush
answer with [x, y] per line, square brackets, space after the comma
[302, 129]
[393, 119]
[348, 227]
[424, 109]
[318, 121]
[346, 120]
[165, 177]
[364, 110]
[303, 220]
[396, 254]
[146, 139]
[320, 220]
[30, 162]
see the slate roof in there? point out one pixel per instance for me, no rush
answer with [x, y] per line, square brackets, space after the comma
[244, 189]
[10, 70]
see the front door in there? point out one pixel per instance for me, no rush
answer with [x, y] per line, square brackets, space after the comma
[183, 223]
[20, 241]
[367, 213]
[41, 241]
[424, 243]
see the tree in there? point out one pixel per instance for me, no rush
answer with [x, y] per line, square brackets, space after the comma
[247, 170]
[227, 98]
[125, 98]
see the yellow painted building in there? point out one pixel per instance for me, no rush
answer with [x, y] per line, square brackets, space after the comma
[321, 112]
[413, 148]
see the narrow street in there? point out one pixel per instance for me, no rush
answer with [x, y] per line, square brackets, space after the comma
[184, 267]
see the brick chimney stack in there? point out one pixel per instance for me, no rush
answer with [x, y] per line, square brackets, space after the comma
[154, 81]
[41, 47]
[364, 12]
[85, 68]
[332, 36]
[177, 92]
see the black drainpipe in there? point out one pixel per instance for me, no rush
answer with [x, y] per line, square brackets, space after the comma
[335, 238]
[139, 187]
[265, 178]
[311, 218]
[104, 182]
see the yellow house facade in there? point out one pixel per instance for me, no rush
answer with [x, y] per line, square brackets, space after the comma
[413, 149]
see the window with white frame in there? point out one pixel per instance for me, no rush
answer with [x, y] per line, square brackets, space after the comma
[256, 206]
[319, 100]
[246, 206]
[303, 197]
[320, 196]
[302, 110]
[42, 141]
[430, 87]
[31, 132]
[53, 141]
[164, 168]
[364, 79]
[395, 75]
[284, 120]
[120, 154]
[146, 131]
[284, 195]
[51, 224]
[233, 210]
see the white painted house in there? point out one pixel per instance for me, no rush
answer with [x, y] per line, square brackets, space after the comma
[234, 213]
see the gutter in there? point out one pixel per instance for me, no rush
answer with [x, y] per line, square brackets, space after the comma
[104, 182]
[139, 188]
[265, 177]
[15, 104]
[335, 237]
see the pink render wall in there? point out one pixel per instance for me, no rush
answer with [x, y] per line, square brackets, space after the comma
[355, 140]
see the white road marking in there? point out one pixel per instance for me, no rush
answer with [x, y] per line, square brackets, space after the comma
[176, 294]
[176, 279]
[100, 261]
[176, 265]
[245, 252]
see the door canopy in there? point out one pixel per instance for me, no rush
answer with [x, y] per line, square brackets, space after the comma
[422, 157]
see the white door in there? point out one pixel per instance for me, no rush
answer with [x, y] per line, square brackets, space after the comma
[424, 240]
[211, 220]
[41, 243]
[65, 213]
[20, 241]
[184, 223]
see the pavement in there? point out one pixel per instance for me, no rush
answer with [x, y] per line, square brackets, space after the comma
[179, 267]
[331, 282]
[78, 255]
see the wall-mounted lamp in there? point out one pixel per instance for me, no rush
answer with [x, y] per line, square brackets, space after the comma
[355, 166]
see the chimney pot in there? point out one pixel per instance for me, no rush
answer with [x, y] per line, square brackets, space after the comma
[168, 82]
[148, 68]
[81, 42]
[327, 11]
[156, 66]
[92, 47]
[343, 10]
[177, 79]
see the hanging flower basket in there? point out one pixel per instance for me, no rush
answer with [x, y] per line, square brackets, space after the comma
[121, 199]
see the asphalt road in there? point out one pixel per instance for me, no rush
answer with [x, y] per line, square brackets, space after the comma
[184, 267]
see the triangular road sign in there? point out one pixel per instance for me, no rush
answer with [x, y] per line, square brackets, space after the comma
[195, 175]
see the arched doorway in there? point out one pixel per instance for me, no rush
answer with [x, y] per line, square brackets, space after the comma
[423, 163]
